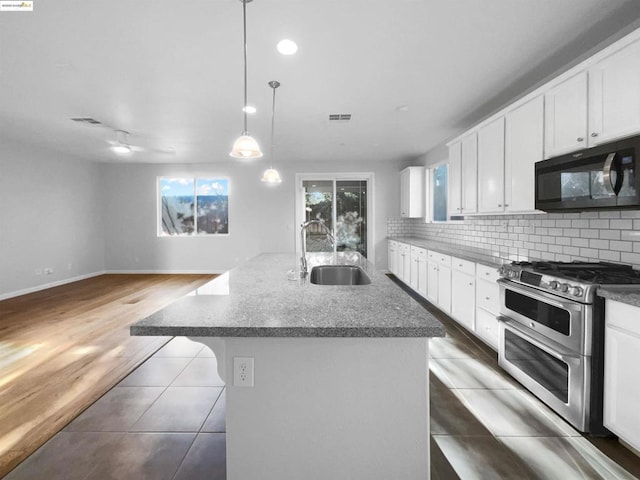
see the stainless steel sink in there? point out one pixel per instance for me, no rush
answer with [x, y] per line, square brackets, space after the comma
[338, 275]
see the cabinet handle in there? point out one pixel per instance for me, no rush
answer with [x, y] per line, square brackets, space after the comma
[506, 204]
[594, 134]
[471, 284]
[487, 298]
[580, 139]
[499, 205]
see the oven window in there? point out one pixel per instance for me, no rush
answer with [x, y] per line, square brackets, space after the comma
[548, 315]
[544, 369]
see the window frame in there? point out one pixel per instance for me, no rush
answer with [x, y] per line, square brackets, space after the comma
[429, 194]
[160, 233]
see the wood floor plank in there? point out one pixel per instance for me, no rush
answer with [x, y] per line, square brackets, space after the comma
[62, 348]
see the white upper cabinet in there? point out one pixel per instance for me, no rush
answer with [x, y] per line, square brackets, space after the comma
[412, 192]
[523, 146]
[463, 176]
[565, 117]
[454, 188]
[491, 167]
[614, 95]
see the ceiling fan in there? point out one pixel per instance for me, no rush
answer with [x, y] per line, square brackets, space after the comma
[121, 145]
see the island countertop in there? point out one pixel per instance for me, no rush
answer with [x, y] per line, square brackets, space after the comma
[257, 299]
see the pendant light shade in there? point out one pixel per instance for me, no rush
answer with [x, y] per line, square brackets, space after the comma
[271, 175]
[245, 146]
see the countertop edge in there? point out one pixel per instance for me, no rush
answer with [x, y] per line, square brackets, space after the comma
[629, 295]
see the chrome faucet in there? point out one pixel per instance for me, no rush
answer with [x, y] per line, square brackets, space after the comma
[303, 258]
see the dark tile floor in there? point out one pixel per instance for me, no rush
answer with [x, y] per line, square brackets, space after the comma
[167, 421]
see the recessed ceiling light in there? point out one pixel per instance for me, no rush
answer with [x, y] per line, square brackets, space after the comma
[249, 109]
[287, 47]
[121, 149]
[402, 108]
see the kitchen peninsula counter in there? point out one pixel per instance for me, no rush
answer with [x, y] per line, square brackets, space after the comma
[339, 385]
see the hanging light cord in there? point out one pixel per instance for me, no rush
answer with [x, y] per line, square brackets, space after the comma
[274, 85]
[244, 107]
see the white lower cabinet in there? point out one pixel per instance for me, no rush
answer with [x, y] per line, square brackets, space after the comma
[487, 305]
[419, 270]
[392, 256]
[439, 280]
[463, 289]
[404, 262]
[621, 374]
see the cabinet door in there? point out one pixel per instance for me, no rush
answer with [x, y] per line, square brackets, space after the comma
[523, 147]
[413, 276]
[422, 276]
[463, 304]
[565, 116]
[487, 327]
[404, 192]
[391, 256]
[469, 166]
[622, 385]
[432, 283]
[444, 288]
[455, 179]
[491, 167]
[406, 263]
[614, 96]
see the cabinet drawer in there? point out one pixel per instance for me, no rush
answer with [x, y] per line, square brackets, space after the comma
[487, 327]
[488, 296]
[439, 258]
[419, 252]
[623, 316]
[485, 272]
[464, 266]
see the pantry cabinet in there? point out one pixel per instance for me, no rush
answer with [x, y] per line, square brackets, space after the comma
[523, 147]
[621, 376]
[614, 95]
[412, 192]
[491, 167]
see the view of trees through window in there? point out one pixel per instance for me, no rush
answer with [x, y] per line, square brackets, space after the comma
[350, 214]
[194, 206]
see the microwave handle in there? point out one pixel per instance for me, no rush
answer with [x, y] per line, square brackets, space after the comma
[606, 173]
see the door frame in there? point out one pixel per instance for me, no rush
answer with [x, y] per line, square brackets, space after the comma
[336, 177]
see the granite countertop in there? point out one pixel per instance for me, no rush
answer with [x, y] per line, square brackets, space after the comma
[465, 253]
[629, 295]
[257, 299]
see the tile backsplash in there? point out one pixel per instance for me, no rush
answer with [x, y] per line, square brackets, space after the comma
[606, 236]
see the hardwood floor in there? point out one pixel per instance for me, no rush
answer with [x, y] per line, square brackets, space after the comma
[62, 348]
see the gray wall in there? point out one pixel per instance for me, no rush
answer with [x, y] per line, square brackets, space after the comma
[61, 211]
[261, 217]
[51, 217]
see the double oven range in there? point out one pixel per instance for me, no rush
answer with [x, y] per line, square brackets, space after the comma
[552, 333]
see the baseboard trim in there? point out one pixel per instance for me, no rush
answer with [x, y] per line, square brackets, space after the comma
[165, 272]
[44, 286]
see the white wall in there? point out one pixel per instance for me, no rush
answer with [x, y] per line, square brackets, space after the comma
[51, 216]
[261, 217]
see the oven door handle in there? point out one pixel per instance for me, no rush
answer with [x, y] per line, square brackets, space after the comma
[566, 357]
[553, 300]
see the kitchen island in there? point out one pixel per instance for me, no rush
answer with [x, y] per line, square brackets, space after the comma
[337, 379]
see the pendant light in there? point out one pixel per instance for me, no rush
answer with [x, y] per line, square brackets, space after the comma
[245, 146]
[271, 175]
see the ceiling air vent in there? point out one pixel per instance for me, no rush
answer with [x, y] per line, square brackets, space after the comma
[339, 116]
[88, 120]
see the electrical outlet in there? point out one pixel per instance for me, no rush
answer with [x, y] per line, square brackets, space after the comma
[48, 271]
[243, 371]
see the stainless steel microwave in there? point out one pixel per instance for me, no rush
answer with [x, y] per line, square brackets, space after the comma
[602, 177]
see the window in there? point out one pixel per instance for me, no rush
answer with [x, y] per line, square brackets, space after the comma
[193, 206]
[436, 193]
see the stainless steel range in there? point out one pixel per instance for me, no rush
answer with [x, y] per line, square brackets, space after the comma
[552, 333]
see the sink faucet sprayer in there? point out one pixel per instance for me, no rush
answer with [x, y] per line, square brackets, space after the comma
[303, 258]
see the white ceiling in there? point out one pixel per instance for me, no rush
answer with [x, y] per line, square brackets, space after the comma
[170, 72]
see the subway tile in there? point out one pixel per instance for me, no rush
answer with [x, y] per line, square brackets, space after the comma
[588, 214]
[571, 251]
[562, 258]
[630, 235]
[571, 232]
[610, 234]
[609, 256]
[548, 239]
[580, 223]
[580, 242]
[571, 215]
[630, 214]
[542, 247]
[589, 233]
[556, 248]
[623, 224]
[555, 231]
[630, 258]
[599, 244]
[621, 246]
[563, 241]
[563, 223]
[588, 252]
[599, 223]
[614, 214]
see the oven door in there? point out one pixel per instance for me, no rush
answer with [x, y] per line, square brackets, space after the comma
[565, 322]
[557, 377]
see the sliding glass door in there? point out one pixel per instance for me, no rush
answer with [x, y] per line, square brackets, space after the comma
[342, 205]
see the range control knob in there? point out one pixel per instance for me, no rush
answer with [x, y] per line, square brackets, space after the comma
[564, 287]
[553, 285]
[576, 291]
[512, 274]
